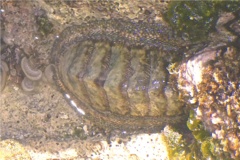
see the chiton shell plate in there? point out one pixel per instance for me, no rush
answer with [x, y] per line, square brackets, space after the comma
[115, 73]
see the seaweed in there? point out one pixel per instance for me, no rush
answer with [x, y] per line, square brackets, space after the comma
[196, 19]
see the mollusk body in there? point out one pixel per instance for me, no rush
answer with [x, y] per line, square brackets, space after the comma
[114, 73]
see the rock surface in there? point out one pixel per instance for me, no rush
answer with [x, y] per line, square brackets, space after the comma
[41, 120]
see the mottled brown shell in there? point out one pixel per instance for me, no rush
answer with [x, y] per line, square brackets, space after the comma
[115, 73]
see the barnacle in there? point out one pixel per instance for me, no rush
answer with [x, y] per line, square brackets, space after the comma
[29, 70]
[3, 74]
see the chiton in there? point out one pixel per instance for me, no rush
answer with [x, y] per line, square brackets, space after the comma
[114, 72]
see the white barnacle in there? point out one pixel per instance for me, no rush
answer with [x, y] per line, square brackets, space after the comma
[78, 109]
[220, 134]
[198, 112]
[216, 120]
[214, 135]
[191, 121]
[194, 69]
[29, 71]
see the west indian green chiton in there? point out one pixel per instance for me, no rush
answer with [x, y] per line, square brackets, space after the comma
[114, 72]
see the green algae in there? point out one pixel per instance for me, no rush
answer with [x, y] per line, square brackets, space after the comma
[45, 27]
[196, 127]
[203, 146]
[176, 144]
[196, 19]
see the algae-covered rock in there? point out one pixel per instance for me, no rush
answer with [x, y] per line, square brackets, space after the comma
[196, 19]
[176, 144]
[10, 149]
